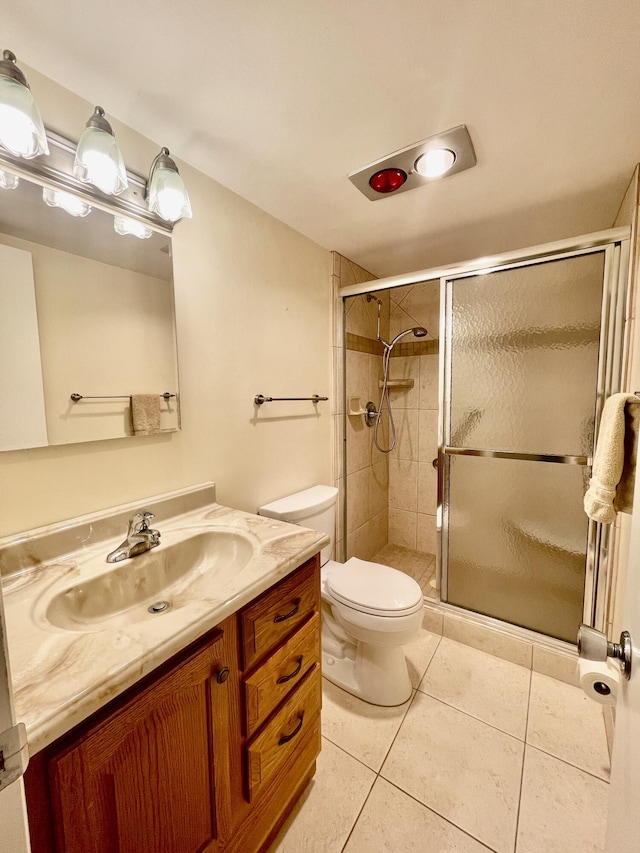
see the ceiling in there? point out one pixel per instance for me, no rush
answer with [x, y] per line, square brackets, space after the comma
[279, 100]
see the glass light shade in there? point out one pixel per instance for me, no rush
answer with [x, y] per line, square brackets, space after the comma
[99, 161]
[434, 163]
[68, 202]
[125, 226]
[168, 195]
[21, 128]
[8, 181]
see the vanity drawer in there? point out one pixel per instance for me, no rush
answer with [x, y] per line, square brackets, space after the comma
[265, 688]
[287, 734]
[279, 611]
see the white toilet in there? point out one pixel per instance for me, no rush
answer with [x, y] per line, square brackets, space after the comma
[369, 611]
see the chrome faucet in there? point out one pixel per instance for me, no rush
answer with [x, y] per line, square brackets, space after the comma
[140, 538]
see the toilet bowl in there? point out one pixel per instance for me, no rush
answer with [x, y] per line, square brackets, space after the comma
[369, 611]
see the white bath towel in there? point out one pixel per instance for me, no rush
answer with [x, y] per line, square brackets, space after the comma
[613, 475]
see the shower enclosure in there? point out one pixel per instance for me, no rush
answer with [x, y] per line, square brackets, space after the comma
[529, 349]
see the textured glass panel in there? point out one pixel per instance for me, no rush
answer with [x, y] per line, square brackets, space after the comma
[525, 357]
[517, 542]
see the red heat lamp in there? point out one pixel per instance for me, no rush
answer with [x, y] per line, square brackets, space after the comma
[387, 180]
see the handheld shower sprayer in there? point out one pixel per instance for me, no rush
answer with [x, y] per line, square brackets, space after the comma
[416, 331]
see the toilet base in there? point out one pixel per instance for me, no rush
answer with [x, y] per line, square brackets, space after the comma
[378, 674]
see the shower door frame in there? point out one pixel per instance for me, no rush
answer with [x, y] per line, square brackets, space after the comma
[615, 247]
[614, 314]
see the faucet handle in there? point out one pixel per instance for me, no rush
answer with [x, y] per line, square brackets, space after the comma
[138, 522]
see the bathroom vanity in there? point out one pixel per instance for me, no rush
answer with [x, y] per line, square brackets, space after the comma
[207, 749]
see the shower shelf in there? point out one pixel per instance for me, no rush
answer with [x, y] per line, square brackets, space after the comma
[393, 384]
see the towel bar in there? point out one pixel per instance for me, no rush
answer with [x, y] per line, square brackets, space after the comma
[259, 399]
[75, 397]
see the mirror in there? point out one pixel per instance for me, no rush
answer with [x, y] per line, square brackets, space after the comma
[83, 310]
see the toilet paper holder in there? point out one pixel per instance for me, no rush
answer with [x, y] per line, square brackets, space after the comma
[593, 645]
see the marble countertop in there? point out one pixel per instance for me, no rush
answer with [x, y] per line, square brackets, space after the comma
[62, 676]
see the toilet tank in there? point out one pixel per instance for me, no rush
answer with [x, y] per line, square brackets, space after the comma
[314, 508]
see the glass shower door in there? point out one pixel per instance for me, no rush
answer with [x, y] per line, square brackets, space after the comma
[522, 366]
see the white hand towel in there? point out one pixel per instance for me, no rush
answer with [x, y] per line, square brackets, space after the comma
[145, 414]
[613, 474]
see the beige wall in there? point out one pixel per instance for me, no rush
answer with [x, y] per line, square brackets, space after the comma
[253, 314]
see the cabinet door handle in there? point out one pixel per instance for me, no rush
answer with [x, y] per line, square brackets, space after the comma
[292, 674]
[286, 738]
[222, 675]
[290, 613]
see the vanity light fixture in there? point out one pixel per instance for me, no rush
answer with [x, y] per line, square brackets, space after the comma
[8, 181]
[421, 163]
[98, 159]
[124, 226]
[71, 204]
[166, 193]
[21, 129]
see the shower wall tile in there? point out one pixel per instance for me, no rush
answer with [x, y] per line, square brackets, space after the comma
[403, 484]
[422, 305]
[360, 543]
[429, 367]
[405, 368]
[357, 499]
[352, 273]
[426, 533]
[358, 448]
[428, 435]
[403, 528]
[399, 294]
[378, 532]
[379, 487]
[406, 421]
[357, 381]
[427, 488]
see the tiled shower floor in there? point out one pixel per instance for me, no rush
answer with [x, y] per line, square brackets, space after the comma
[418, 564]
[486, 756]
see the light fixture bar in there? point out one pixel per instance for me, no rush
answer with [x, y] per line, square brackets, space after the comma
[56, 171]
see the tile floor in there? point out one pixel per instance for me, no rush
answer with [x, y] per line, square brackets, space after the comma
[485, 756]
[420, 565]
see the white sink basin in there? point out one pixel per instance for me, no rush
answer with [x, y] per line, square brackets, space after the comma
[123, 594]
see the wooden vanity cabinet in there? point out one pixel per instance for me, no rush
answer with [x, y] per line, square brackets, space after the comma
[207, 753]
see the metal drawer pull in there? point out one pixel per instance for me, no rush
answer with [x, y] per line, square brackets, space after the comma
[290, 613]
[286, 738]
[222, 675]
[291, 675]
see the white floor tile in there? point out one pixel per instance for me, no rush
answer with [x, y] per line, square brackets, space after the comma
[491, 689]
[364, 731]
[564, 722]
[323, 817]
[563, 809]
[393, 822]
[461, 768]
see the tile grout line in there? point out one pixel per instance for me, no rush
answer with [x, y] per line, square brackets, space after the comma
[524, 756]
[435, 812]
[567, 763]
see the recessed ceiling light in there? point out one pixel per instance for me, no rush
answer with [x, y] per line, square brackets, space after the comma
[439, 155]
[435, 162]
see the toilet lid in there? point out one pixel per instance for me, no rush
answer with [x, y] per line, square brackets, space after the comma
[373, 588]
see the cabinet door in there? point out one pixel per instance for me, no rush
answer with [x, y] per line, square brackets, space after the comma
[155, 775]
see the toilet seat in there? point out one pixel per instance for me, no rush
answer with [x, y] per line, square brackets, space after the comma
[373, 588]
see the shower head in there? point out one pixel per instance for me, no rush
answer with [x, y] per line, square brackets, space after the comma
[418, 331]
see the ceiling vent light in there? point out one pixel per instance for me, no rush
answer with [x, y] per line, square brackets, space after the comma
[21, 128]
[421, 163]
[387, 180]
[435, 162]
[98, 159]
